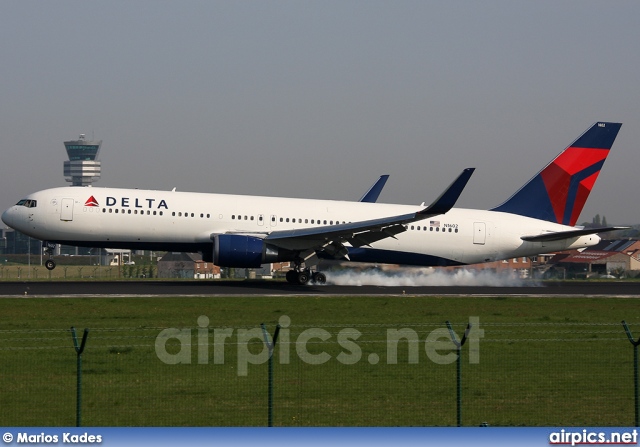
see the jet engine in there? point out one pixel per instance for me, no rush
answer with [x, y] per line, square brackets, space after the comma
[232, 250]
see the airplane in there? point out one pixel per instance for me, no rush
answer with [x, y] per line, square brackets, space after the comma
[248, 231]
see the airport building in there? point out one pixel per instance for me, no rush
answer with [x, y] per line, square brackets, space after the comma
[83, 168]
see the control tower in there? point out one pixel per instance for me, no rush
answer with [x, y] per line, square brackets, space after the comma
[82, 168]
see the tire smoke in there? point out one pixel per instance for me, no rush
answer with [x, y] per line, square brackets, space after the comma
[423, 277]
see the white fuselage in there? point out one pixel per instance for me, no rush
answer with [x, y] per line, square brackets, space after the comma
[185, 221]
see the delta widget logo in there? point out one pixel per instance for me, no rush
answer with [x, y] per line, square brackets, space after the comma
[128, 202]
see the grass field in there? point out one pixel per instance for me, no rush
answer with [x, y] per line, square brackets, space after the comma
[542, 361]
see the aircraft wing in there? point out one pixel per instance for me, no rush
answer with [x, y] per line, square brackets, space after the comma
[559, 235]
[331, 238]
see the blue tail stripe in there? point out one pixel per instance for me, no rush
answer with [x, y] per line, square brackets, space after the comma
[574, 186]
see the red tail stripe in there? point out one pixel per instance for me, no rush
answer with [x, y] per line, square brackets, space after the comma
[575, 159]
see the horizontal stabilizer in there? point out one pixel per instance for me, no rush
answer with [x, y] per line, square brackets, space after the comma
[560, 235]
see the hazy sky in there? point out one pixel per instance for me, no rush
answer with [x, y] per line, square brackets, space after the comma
[317, 99]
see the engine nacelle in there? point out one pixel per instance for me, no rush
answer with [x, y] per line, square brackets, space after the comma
[232, 250]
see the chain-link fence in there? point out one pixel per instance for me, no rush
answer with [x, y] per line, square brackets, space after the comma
[535, 374]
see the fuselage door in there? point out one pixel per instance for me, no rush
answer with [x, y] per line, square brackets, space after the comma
[274, 220]
[479, 233]
[66, 209]
[261, 220]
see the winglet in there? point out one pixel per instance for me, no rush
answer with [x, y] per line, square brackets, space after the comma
[449, 197]
[372, 195]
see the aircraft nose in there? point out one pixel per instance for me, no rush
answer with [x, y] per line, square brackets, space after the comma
[7, 217]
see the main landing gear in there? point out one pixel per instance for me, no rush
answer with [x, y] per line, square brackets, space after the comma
[304, 276]
[49, 247]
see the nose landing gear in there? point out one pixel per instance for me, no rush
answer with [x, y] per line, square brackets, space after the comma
[49, 247]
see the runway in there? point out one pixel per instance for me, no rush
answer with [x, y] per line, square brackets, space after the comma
[275, 288]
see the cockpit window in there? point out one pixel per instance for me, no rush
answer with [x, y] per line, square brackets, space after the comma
[27, 203]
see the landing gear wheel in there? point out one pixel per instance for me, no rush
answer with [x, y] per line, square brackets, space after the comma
[303, 277]
[319, 278]
[50, 264]
[292, 277]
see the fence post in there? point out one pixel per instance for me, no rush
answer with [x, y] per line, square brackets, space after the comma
[270, 345]
[459, 368]
[635, 370]
[79, 349]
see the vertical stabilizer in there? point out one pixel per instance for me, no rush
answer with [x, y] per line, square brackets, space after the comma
[558, 192]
